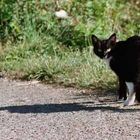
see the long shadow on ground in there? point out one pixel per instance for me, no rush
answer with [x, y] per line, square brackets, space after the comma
[65, 107]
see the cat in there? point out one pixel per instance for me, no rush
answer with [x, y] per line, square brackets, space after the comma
[123, 57]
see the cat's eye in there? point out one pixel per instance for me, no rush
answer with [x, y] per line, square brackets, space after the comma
[99, 50]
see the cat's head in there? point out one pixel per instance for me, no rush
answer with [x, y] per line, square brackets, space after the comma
[101, 47]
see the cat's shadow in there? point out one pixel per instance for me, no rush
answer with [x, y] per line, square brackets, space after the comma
[64, 107]
[78, 103]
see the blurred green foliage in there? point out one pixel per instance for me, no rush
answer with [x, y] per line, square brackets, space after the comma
[34, 42]
[19, 20]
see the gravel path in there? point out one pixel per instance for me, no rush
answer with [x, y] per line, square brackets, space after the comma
[32, 111]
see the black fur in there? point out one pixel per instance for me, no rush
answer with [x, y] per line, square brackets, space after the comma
[125, 60]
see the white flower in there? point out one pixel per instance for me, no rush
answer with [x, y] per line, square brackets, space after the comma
[61, 14]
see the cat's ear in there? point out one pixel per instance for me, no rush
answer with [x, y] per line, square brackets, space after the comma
[112, 40]
[94, 39]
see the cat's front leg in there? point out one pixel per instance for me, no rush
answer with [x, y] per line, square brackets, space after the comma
[137, 89]
[122, 91]
[131, 97]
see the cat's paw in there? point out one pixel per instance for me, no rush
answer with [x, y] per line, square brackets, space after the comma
[128, 102]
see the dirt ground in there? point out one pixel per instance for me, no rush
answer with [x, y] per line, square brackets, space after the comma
[33, 111]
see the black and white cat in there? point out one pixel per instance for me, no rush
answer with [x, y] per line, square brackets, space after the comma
[123, 57]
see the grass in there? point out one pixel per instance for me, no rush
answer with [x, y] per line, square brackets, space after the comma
[34, 44]
[65, 66]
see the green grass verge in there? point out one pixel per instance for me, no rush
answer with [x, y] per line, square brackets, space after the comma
[34, 41]
[63, 66]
